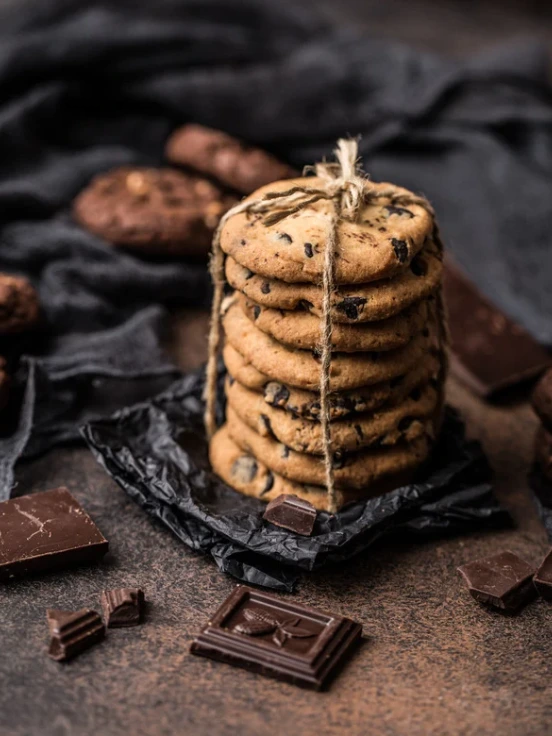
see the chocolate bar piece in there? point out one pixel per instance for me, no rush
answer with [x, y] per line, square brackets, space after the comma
[122, 607]
[541, 400]
[72, 632]
[543, 452]
[291, 513]
[490, 351]
[543, 578]
[44, 531]
[504, 581]
[277, 638]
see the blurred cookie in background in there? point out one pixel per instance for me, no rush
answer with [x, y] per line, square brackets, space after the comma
[230, 161]
[19, 305]
[153, 211]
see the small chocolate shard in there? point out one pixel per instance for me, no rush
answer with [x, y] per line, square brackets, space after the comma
[122, 607]
[543, 578]
[291, 513]
[45, 531]
[278, 638]
[503, 581]
[72, 632]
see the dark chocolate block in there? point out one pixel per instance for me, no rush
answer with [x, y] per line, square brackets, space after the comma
[543, 578]
[291, 513]
[504, 581]
[489, 350]
[542, 400]
[277, 638]
[44, 531]
[72, 632]
[122, 607]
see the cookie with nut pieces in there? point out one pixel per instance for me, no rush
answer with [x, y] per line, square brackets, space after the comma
[154, 211]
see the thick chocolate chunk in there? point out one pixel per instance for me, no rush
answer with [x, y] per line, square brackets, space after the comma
[291, 513]
[73, 632]
[490, 351]
[543, 578]
[122, 607]
[278, 638]
[351, 306]
[541, 399]
[503, 581]
[401, 249]
[44, 531]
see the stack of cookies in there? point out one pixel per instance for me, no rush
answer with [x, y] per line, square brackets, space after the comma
[174, 212]
[19, 312]
[387, 347]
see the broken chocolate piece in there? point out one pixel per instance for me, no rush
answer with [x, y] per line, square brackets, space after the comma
[543, 578]
[541, 399]
[44, 531]
[277, 638]
[291, 513]
[504, 581]
[122, 607]
[490, 351]
[72, 632]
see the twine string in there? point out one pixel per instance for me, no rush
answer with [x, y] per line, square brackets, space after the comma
[348, 189]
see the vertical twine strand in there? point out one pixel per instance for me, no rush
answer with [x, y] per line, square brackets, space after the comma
[326, 360]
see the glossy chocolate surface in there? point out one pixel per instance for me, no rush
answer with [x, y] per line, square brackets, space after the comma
[503, 580]
[278, 638]
[47, 530]
[291, 513]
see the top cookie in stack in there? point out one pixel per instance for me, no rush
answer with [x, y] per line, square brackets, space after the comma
[387, 362]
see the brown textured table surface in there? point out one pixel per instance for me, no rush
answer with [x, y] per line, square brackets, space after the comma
[434, 662]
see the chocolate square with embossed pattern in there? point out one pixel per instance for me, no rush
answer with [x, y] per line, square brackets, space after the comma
[122, 607]
[278, 638]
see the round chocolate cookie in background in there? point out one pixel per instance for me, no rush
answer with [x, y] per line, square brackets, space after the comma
[19, 305]
[231, 162]
[153, 211]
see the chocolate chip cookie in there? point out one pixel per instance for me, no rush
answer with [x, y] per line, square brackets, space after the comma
[362, 303]
[404, 422]
[301, 368]
[356, 470]
[231, 162]
[250, 476]
[154, 211]
[19, 306]
[381, 244]
[306, 404]
[302, 329]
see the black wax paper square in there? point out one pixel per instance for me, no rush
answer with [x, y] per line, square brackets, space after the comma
[157, 452]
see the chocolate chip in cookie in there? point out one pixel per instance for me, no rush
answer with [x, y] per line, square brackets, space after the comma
[155, 211]
[230, 161]
[19, 307]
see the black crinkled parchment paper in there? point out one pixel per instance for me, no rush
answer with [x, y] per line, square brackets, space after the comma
[157, 452]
